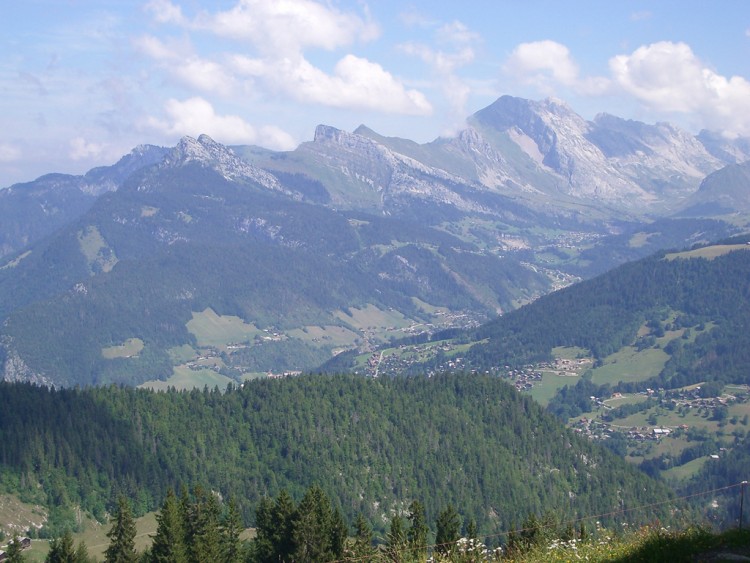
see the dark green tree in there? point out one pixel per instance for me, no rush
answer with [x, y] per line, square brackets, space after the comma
[274, 528]
[447, 529]
[203, 527]
[14, 553]
[471, 529]
[122, 535]
[395, 541]
[339, 533]
[61, 550]
[313, 527]
[231, 528]
[362, 547]
[417, 534]
[169, 541]
[82, 554]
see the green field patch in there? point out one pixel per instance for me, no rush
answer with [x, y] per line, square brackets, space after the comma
[328, 335]
[99, 255]
[17, 260]
[181, 354]
[543, 391]
[211, 329]
[148, 211]
[372, 318]
[427, 308]
[128, 349]
[639, 240]
[629, 365]
[184, 378]
[620, 400]
[708, 252]
[685, 471]
[250, 375]
[570, 352]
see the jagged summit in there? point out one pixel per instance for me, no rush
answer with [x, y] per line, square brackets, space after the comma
[207, 152]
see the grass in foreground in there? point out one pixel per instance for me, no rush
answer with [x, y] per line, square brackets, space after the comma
[646, 545]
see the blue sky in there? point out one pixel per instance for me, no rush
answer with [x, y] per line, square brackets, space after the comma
[82, 82]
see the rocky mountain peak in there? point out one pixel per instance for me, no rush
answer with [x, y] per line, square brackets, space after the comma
[207, 152]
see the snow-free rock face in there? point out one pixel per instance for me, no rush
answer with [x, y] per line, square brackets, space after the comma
[729, 150]
[377, 177]
[555, 138]
[207, 152]
[665, 160]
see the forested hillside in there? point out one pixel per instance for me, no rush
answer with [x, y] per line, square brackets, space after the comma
[372, 445]
[706, 289]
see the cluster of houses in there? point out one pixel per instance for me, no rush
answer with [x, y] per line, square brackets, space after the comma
[598, 430]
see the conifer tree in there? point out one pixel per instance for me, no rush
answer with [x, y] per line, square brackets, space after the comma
[82, 554]
[274, 529]
[122, 535]
[14, 555]
[396, 539]
[447, 529]
[61, 550]
[231, 528]
[339, 533]
[471, 529]
[418, 530]
[203, 527]
[362, 547]
[169, 541]
[312, 527]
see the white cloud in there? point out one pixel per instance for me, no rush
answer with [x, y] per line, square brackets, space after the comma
[546, 64]
[354, 83]
[9, 153]
[668, 77]
[196, 116]
[289, 26]
[459, 42]
[280, 31]
[166, 12]
[178, 59]
[664, 77]
[81, 149]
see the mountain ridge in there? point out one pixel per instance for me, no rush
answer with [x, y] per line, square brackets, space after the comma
[461, 228]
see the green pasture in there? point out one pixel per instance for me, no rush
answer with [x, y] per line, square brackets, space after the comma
[330, 335]
[211, 329]
[683, 472]
[570, 352]
[640, 239]
[629, 365]
[131, 347]
[181, 354]
[544, 390]
[708, 252]
[372, 318]
[184, 378]
[92, 245]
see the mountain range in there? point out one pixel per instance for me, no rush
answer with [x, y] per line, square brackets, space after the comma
[218, 263]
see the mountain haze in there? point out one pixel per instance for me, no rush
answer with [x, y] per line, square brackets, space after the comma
[262, 260]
